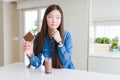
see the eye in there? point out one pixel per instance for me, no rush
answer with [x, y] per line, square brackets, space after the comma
[50, 16]
[58, 17]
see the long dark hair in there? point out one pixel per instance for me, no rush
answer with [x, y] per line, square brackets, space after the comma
[37, 48]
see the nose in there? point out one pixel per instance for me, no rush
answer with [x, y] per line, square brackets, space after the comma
[54, 20]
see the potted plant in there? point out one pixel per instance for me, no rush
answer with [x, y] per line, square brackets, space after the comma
[114, 46]
[102, 44]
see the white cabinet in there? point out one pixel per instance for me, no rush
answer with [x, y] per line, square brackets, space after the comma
[104, 64]
[108, 10]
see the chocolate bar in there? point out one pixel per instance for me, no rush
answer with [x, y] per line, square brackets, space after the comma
[28, 37]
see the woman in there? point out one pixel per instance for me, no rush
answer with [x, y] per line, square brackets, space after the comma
[52, 41]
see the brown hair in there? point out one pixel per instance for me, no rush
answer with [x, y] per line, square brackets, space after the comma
[38, 43]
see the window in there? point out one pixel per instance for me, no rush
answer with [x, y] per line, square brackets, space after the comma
[33, 20]
[30, 20]
[108, 29]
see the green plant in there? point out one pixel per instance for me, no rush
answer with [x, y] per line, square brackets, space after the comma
[103, 40]
[34, 31]
[115, 43]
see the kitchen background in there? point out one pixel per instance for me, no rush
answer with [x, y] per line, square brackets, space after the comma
[89, 19]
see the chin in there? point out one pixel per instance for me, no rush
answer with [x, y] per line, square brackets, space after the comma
[54, 28]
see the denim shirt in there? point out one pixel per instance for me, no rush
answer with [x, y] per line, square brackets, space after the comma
[64, 52]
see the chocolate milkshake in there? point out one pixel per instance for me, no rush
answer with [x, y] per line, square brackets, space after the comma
[48, 65]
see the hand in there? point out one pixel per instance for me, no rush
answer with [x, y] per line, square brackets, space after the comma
[56, 35]
[28, 48]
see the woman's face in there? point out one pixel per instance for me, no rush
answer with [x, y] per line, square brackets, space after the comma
[54, 19]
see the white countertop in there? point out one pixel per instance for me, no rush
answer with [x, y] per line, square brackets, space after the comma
[105, 54]
[18, 71]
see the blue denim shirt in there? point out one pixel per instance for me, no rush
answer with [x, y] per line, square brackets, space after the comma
[64, 52]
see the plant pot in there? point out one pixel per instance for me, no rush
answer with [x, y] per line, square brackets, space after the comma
[114, 50]
[101, 47]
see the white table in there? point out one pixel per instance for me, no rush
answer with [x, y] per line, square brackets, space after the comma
[18, 71]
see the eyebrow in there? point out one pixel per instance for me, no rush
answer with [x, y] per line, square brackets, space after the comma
[52, 15]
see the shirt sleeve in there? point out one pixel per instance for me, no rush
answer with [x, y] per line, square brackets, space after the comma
[36, 60]
[66, 51]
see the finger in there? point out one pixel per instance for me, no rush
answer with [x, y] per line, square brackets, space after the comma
[52, 35]
[27, 43]
[53, 32]
[28, 48]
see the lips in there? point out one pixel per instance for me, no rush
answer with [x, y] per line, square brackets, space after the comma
[53, 24]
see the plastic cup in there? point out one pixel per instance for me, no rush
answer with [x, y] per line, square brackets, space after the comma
[48, 65]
